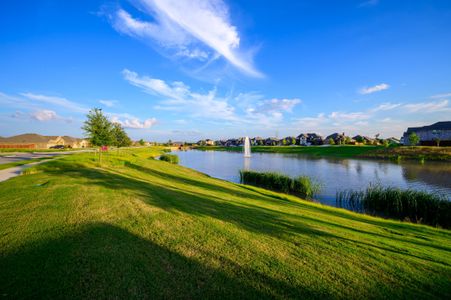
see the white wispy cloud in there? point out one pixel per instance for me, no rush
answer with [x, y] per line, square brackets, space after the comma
[186, 26]
[41, 115]
[44, 115]
[277, 105]
[385, 107]
[108, 103]
[58, 101]
[428, 107]
[348, 116]
[269, 112]
[134, 122]
[441, 96]
[389, 118]
[374, 89]
[178, 97]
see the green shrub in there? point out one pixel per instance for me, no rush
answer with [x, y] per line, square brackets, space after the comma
[171, 158]
[301, 186]
[414, 206]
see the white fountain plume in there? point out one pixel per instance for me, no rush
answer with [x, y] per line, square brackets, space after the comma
[247, 147]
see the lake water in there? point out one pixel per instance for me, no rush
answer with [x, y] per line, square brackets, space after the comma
[334, 174]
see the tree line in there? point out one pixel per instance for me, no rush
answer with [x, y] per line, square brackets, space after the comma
[102, 132]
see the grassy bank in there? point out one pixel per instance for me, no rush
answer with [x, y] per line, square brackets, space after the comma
[320, 151]
[350, 151]
[134, 227]
[411, 153]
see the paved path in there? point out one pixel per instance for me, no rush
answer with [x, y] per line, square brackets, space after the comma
[16, 171]
[20, 156]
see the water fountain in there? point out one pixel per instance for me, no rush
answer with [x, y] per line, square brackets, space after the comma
[247, 147]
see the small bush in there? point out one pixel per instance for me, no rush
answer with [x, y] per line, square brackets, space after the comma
[415, 206]
[171, 158]
[301, 186]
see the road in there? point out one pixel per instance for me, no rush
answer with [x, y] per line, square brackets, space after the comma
[20, 156]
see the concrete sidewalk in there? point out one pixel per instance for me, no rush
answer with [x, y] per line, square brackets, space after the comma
[16, 171]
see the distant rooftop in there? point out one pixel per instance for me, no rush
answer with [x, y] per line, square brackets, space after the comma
[446, 125]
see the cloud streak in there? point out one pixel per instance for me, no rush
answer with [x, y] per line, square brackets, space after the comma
[374, 89]
[191, 28]
[133, 122]
[178, 97]
[58, 101]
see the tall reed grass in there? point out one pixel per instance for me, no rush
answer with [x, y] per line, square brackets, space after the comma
[414, 206]
[301, 186]
[171, 158]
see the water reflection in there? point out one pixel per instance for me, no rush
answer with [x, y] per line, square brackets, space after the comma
[334, 174]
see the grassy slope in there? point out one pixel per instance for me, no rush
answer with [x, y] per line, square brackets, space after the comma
[137, 228]
[331, 151]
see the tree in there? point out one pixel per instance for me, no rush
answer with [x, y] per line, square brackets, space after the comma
[141, 142]
[331, 141]
[120, 137]
[437, 141]
[359, 139]
[386, 143]
[413, 139]
[347, 140]
[98, 128]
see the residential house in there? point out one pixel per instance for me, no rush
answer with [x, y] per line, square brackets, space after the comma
[439, 132]
[338, 138]
[393, 141]
[209, 142]
[307, 139]
[72, 142]
[271, 142]
[257, 141]
[32, 140]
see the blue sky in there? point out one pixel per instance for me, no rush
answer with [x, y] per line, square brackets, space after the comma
[186, 70]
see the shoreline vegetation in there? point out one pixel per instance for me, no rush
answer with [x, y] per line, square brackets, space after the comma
[395, 203]
[80, 228]
[398, 153]
[302, 186]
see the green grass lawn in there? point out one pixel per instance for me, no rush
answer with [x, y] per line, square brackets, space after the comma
[351, 151]
[135, 227]
[326, 151]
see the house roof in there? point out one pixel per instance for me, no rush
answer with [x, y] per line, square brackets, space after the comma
[446, 125]
[30, 138]
[335, 135]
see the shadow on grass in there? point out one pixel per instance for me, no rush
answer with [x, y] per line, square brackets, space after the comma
[197, 183]
[247, 216]
[101, 261]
